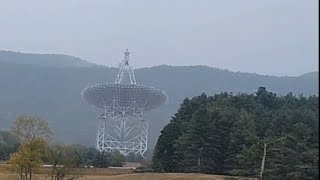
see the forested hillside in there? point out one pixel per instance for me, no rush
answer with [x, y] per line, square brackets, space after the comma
[54, 93]
[8, 144]
[261, 134]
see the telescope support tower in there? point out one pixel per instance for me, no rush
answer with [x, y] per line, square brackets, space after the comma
[122, 129]
[121, 126]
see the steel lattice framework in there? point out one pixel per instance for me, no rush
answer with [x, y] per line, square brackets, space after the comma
[121, 126]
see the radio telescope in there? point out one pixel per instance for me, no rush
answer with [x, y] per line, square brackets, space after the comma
[121, 126]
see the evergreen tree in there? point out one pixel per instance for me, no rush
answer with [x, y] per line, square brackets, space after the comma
[259, 134]
[102, 160]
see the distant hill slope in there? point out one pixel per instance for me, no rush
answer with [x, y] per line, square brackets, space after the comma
[6, 138]
[53, 60]
[310, 75]
[54, 93]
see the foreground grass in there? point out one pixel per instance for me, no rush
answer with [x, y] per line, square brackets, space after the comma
[122, 174]
[141, 176]
[158, 176]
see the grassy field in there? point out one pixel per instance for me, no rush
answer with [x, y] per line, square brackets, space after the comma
[158, 176]
[141, 176]
[123, 174]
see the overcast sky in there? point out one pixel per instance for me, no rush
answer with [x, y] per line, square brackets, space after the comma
[275, 37]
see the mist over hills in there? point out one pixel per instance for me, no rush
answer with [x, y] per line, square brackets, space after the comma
[53, 93]
[310, 75]
[52, 60]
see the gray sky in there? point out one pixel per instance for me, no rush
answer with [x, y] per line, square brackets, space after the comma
[275, 37]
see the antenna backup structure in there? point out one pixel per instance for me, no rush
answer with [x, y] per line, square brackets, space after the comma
[121, 126]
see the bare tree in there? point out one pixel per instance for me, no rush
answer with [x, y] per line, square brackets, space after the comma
[265, 144]
[28, 128]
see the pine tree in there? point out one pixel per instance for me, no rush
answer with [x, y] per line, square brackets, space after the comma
[259, 134]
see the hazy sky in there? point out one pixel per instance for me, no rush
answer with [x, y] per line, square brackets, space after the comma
[275, 37]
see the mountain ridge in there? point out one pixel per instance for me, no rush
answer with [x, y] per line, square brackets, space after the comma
[53, 60]
[54, 93]
[23, 58]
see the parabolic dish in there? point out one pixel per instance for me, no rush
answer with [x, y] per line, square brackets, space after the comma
[102, 95]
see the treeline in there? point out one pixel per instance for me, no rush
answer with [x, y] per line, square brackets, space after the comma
[85, 156]
[89, 156]
[257, 134]
[8, 145]
[6, 150]
[28, 147]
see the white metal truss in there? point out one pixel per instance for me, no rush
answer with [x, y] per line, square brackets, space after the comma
[121, 126]
[125, 68]
[122, 129]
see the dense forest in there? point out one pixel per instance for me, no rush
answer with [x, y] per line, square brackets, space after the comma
[258, 134]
